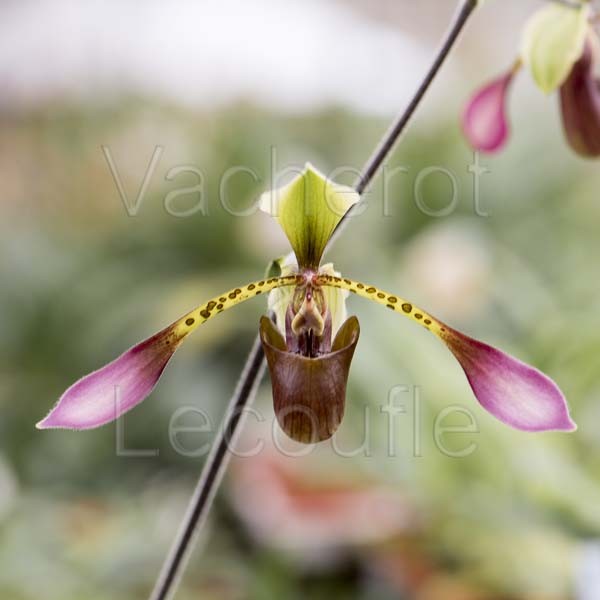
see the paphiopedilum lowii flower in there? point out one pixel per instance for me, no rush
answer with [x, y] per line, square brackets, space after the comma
[310, 347]
[560, 48]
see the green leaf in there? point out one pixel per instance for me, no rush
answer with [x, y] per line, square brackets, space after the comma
[552, 42]
[308, 210]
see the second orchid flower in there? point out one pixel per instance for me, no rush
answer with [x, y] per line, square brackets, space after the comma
[561, 50]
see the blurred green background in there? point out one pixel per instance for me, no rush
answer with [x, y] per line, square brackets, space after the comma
[517, 518]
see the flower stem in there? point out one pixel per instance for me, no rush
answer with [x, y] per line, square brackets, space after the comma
[213, 470]
[217, 460]
[388, 141]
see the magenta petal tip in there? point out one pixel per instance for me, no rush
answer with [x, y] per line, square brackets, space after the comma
[484, 121]
[109, 392]
[515, 393]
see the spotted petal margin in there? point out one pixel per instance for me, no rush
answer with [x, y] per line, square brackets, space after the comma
[514, 392]
[109, 392]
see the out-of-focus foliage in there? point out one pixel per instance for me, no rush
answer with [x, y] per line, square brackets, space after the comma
[90, 515]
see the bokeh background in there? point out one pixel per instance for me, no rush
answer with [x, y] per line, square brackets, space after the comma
[233, 83]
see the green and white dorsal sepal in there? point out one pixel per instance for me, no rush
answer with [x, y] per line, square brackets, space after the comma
[308, 209]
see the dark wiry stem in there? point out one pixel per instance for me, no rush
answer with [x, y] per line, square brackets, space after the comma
[216, 462]
[391, 137]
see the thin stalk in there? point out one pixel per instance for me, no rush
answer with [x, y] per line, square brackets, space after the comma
[211, 475]
[245, 391]
[393, 134]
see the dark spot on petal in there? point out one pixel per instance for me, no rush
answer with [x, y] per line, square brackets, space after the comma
[390, 306]
[205, 314]
[251, 286]
[232, 295]
[261, 283]
[427, 321]
[406, 307]
[347, 281]
[371, 290]
[190, 321]
[392, 299]
[380, 295]
[258, 292]
[219, 307]
[211, 305]
[222, 299]
[418, 316]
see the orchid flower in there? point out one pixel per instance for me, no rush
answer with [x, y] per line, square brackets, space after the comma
[310, 345]
[560, 48]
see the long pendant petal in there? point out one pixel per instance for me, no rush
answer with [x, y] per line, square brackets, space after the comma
[105, 394]
[514, 392]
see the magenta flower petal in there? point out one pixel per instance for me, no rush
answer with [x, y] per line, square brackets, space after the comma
[105, 394]
[484, 120]
[514, 392]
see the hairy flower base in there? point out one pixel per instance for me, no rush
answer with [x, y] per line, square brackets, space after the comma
[309, 393]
